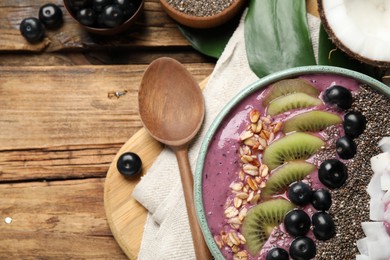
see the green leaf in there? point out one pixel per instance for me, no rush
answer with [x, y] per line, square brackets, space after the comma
[277, 36]
[210, 42]
[330, 55]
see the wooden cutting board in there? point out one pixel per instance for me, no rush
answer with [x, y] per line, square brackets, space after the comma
[125, 215]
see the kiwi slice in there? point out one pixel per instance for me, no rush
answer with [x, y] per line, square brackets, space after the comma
[295, 146]
[283, 176]
[313, 121]
[261, 220]
[292, 101]
[288, 86]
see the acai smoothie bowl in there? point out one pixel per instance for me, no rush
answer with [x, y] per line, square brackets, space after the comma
[283, 170]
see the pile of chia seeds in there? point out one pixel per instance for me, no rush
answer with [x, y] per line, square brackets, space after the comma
[350, 204]
[200, 8]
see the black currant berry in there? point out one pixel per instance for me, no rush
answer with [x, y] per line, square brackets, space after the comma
[32, 29]
[354, 124]
[345, 147]
[321, 199]
[339, 96]
[299, 193]
[297, 222]
[112, 16]
[302, 248]
[277, 253]
[129, 164]
[323, 226]
[128, 7]
[51, 16]
[99, 5]
[332, 173]
[86, 16]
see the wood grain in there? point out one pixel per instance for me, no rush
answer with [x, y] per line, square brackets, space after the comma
[59, 134]
[52, 171]
[65, 122]
[55, 220]
[125, 215]
[154, 29]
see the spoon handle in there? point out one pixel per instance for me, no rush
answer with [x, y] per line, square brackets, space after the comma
[202, 252]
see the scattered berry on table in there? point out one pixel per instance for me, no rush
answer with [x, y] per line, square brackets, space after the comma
[51, 16]
[32, 29]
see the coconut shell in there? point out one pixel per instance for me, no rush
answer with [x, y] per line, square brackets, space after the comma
[342, 46]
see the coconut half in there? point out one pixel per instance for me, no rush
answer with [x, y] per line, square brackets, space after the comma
[360, 28]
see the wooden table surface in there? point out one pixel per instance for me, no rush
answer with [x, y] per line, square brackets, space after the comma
[61, 126]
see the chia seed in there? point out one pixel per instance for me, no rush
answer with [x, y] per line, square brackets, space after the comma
[200, 8]
[350, 205]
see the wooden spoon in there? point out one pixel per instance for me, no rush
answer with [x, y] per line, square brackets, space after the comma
[171, 107]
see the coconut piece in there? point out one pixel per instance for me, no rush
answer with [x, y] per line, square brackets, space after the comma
[374, 230]
[379, 249]
[386, 203]
[380, 162]
[376, 243]
[372, 246]
[375, 191]
[359, 28]
[384, 144]
[385, 180]
[362, 245]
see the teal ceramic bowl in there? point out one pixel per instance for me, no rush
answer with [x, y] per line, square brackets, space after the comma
[256, 86]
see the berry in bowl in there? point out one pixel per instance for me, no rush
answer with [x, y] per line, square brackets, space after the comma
[283, 170]
[105, 17]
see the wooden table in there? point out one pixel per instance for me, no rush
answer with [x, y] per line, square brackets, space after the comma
[62, 123]
[61, 126]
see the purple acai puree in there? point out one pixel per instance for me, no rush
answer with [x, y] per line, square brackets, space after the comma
[222, 163]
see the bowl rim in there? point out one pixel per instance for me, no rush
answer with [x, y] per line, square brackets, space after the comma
[203, 22]
[255, 86]
[106, 31]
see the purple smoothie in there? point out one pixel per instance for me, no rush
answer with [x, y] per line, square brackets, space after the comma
[222, 163]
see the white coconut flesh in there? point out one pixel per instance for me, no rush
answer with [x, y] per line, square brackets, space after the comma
[359, 27]
[375, 244]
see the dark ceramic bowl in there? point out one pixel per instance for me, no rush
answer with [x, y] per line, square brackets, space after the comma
[108, 31]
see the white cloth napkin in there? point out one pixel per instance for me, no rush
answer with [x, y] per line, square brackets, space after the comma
[167, 232]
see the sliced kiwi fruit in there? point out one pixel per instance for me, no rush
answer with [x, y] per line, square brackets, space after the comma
[286, 174]
[261, 220]
[289, 86]
[292, 101]
[295, 146]
[312, 121]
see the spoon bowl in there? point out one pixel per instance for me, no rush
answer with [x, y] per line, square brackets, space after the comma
[172, 103]
[171, 107]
